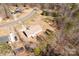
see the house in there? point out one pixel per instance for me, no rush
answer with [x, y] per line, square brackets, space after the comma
[32, 31]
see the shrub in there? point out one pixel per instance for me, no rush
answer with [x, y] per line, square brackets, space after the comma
[37, 51]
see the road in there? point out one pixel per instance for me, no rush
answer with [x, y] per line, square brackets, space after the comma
[26, 17]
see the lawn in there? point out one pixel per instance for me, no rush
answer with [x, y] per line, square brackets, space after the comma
[4, 49]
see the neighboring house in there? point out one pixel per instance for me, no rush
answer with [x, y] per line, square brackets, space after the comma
[32, 30]
[13, 37]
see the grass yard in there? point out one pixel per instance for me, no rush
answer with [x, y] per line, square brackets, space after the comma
[4, 49]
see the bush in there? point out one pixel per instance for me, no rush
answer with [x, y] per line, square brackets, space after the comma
[45, 13]
[54, 14]
[73, 6]
[68, 26]
[37, 51]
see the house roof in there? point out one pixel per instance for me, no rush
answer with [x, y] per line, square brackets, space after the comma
[33, 30]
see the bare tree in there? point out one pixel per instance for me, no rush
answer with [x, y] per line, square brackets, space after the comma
[7, 11]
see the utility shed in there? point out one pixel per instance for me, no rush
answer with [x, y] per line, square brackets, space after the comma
[32, 30]
[4, 39]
